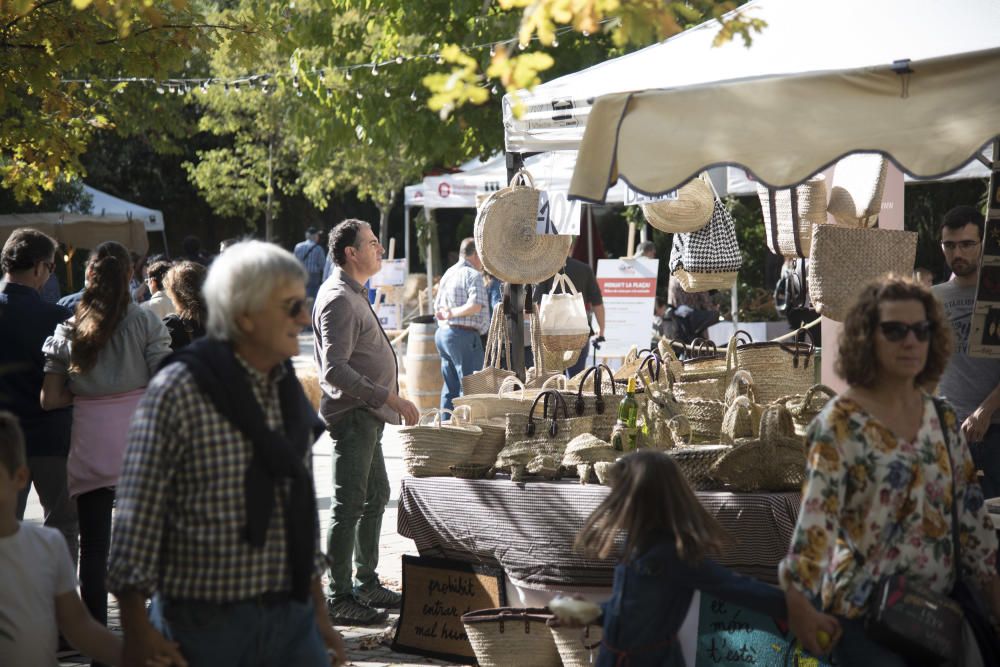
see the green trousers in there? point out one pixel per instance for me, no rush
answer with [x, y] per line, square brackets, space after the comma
[360, 494]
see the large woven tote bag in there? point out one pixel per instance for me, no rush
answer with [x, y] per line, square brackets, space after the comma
[845, 259]
[790, 214]
[688, 213]
[506, 238]
[489, 379]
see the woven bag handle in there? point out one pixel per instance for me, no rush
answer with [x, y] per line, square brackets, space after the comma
[702, 347]
[815, 390]
[461, 416]
[655, 364]
[562, 280]
[529, 428]
[510, 384]
[557, 382]
[665, 347]
[435, 414]
[711, 186]
[680, 429]
[536, 343]
[741, 406]
[797, 349]
[775, 423]
[522, 178]
[741, 379]
[495, 339]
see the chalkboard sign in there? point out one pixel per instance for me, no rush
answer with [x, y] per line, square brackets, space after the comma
[436, 592]
[733, 636]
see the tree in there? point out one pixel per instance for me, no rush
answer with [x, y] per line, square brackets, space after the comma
[66, 75]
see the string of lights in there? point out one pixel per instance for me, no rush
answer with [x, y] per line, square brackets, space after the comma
[267, 81]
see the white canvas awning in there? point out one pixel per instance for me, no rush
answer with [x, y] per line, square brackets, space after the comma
[107, 204]
[80, 230]
[802, 37]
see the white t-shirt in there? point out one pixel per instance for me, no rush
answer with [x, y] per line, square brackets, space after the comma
[35, 567]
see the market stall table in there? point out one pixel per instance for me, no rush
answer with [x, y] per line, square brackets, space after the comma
[529, 528]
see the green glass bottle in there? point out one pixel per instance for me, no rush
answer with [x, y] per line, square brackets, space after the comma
[628, 417]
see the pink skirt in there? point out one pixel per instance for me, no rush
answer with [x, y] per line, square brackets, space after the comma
[98, 438]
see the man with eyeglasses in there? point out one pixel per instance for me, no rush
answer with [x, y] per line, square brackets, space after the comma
[971, 384]
[216, 509]
[26, 320]
[359, 378]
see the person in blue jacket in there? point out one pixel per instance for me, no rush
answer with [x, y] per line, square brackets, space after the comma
[667, 537]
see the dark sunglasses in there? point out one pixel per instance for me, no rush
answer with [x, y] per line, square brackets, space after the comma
[296, 307]
[896, 331]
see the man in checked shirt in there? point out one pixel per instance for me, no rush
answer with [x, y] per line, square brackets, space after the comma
[216, 511]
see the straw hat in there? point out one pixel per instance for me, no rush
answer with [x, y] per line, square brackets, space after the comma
[688, 213]
[856, 192]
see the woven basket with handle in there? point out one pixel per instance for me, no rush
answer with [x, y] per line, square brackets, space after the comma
[577, 646]
[505, 636]
[431, 446]
[804, 407]
[775, 461]
[507, 241]
[790, 214]
[856, 191]
[779, 368]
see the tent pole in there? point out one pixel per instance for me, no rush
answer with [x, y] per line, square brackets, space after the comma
[590, 234]
[515, 307]
[430, 266]
[406, 235]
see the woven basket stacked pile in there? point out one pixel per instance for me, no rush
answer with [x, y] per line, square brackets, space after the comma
[432, 445]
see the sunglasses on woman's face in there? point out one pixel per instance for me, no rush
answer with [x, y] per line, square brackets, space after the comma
[296, 307]
[896, 331]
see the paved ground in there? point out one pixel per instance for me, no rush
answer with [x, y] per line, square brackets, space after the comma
[367, 646]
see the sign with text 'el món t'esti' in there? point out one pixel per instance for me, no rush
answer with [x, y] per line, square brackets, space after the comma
[733, 636]
[436, 593]
[628, 288]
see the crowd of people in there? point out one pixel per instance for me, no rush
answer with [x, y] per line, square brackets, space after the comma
[170, 444]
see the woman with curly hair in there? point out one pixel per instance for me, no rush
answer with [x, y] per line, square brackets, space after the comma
[100, 361]
[183, 284]
[885, 464]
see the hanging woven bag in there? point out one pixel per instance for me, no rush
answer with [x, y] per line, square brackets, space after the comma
[507, 240]
[856, 190]
[779, 368]
[790, 214]
[710, 257]
[489, 379]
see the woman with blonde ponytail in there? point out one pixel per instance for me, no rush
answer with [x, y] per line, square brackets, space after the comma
[100, 361]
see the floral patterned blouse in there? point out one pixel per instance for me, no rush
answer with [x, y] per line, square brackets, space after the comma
[872, 493]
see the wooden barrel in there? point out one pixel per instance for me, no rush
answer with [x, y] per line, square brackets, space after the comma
[423, 366]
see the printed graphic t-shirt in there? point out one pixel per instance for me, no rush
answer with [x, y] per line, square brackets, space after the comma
[967, 380]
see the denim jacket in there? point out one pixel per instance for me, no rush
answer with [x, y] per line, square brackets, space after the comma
[650, 599]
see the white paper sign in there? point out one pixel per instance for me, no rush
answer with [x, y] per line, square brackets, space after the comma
[633, 198]
[393, 273]
[557, 214]
[391, 316]
[628, 287]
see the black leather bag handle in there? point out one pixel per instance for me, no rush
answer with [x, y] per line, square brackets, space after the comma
[558, 401]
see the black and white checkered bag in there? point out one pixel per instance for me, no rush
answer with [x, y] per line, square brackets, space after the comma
[710, 257]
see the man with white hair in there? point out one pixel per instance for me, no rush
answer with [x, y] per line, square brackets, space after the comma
[216, 511]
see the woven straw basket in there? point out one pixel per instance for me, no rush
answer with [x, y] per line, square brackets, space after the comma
[577, 647]
[511, 399]
[492, 441]
[506, 636]
[506, 238]
[774, 462]
[702, 282]
[804, 407]
[856, 192]
[790, 214]
[695, 462]
[778, 369]
[489, 379]
[845, 259]
[688, 213]
[430, 446]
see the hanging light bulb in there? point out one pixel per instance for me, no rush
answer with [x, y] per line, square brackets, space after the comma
[493, 50]
[413, 96]
[494, 89]
[295, 82]
[87, 85]
[359, 95]
[586, 33]
[399, 60]
[439, 60]
[375, 69]
[348, 75]
[387, 93]
[555, 41]
[329, 93]
[159, 90]
[204, 87]
[522, 46]
[236, 86]
[225, 88]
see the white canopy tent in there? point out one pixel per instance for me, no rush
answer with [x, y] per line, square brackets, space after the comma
[802, 36]
[104, 204]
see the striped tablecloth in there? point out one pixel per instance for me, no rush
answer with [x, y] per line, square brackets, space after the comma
[528, 529]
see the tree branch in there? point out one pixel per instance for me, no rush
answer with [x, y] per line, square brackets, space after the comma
[27, 13]
[174, 26]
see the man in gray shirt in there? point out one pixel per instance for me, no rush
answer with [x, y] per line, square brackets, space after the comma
[358, 375]
[972, 385]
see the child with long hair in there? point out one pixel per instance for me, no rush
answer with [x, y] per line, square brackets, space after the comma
[100, 361]
[665, 537]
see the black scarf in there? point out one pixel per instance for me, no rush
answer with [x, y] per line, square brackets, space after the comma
[275, 455]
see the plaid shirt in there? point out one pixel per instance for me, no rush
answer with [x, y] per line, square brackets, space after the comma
[180, 509]
[311, 255]
[462, 284]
